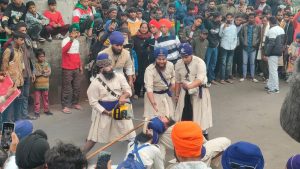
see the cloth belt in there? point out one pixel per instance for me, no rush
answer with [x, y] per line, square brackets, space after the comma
[163, 92]
[108, 105]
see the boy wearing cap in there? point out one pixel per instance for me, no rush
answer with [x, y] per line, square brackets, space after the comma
[193, 98]
[200, 44]
[159, 83]
[71, 71]
[56, 26]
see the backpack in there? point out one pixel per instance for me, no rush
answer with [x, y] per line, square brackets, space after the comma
[11, 56]
[131, 162]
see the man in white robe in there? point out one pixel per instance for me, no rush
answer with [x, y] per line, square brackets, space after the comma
[106, 92]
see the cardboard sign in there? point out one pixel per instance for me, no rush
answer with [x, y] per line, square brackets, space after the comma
[6, 84]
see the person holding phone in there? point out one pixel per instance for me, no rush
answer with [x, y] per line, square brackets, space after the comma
[10, 91]
[228, 34]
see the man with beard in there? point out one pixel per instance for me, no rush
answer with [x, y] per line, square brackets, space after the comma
[121, 60]
[227, 8]
[192, 96]
[159, 81]
[107, 91]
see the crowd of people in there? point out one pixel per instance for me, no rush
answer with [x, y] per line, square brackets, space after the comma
[168, 52]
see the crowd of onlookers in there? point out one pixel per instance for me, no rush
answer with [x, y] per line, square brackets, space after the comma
[236, 39]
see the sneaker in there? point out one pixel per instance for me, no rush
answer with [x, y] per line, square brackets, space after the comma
[214, 82]
[273, 91]
[254, 80]
[242, 79]
[59, 36]
[42, 39]
[48, 113]
[66, 110]
[77, 106]
[222, 81]
[135, 97]
[30, 117]
[36, 114]
[266, 88]
[34, 44]
[229, 81]
[208, 85]
[49, 39]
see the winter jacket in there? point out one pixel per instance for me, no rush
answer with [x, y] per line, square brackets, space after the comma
[13, 15]
[81, 14]
[37, 19]
[181, 10]
[274, 43]
[213, 33]
[255, 36]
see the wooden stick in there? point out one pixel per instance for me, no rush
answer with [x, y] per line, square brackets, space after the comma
[113, 142]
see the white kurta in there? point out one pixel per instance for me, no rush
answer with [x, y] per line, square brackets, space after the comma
[150, 155]
[153, 82]
[104, 128]
[202, 111]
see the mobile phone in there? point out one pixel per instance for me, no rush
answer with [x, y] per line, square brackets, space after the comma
[7, 129]
[113, 21]
[103, 159]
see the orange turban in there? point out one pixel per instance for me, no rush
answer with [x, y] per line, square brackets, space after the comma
[165, 22]
[154, 23]
[187, 139]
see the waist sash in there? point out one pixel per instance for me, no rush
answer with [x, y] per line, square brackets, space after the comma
[109, 105]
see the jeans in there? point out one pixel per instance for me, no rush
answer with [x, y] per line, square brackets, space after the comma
[37, 100]
[23, 106]
[238, 61]
[34, 31]
[211, 57]
[273, 82]
[251, 57]
[226, 63]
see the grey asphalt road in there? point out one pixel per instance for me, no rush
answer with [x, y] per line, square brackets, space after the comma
[241, 112]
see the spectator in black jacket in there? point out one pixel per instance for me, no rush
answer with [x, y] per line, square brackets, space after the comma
[14, 13]
[274, 45]
[211, 56]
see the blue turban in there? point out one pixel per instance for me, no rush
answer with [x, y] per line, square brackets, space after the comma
[23, 128]
[158, 127]
[116, 38]
[103, 60]
[106, 26]
[185, 49]
[160, 52]
[244, 154]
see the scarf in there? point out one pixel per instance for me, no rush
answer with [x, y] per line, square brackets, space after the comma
[143, 36]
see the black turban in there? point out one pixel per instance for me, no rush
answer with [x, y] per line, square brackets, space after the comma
[31, 150]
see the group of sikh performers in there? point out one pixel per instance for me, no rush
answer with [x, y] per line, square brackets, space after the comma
[173, 93]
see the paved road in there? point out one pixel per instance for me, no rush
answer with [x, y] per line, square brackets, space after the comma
[242, 111]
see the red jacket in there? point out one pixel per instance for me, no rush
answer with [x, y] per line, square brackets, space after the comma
[54, 18]
[70, 54]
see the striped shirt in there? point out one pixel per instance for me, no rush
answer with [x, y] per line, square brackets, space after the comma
[171, 43]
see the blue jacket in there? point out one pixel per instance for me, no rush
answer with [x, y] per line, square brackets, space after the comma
[181, 10]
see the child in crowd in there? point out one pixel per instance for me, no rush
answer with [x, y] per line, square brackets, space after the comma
[294, 53]
[41, 83]
[133, 22]
[56, 26]
[35, 22]
[200, 44]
